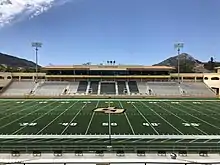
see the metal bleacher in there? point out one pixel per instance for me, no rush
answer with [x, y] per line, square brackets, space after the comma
[51, 88]
[19, 88]
[82, 87]
[133, 87]
[165, 88]
[108, 88]
[94, 87]
[122, 88]
[196, 89]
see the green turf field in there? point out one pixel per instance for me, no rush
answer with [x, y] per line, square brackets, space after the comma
[167, 122]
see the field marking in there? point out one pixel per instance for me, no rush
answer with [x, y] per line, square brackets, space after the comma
[145, 119]
[15, 107]
[109, 126]
[74, 118]
[55, 118]
[208, 108]
[199, 111]
[93, 113]
[196, 117]
[39, 117]
[162, 118]
[211, 105]
[129, 123]
[179, 117]
[25, 115]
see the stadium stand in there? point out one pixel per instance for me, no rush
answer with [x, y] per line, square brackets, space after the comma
[164, 88]
[51, 88]
[133, 87]
[82, 87]
[73, 86]
[143, 88]
[108, 88]
[196, 89]
[122, 90]
[94, 87]
[19, 88]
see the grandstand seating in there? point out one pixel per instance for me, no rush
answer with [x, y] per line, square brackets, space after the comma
[196, 89]
[82, 87]
[108, 88]
[19, 88]
[51, 88]
[142, 87]
[56, 88]
[94, 87]
[164, 88]
[73, 87]
[133, 87]
[122, 88]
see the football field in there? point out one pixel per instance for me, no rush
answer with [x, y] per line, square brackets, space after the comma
[98, 120]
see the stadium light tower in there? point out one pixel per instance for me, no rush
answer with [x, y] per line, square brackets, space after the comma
[178, 46]
[36, 45]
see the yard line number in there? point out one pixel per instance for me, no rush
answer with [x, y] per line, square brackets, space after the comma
[27, 124]
[191, 124]
[151, 124]
[70, 124]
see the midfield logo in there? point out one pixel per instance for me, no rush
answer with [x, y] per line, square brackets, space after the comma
[112, 110]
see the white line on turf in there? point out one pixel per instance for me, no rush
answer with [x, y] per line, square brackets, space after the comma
[162, 118]
[195, 117]
[204, 107]
[74, 118]
[55, 119]
[129, 123]
[179, 117]
[93, 113]
[15, 107]
[40, 117]
[145, 119]
[199, 112]
[26, 115]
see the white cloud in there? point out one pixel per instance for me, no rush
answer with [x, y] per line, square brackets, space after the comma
[15, 10]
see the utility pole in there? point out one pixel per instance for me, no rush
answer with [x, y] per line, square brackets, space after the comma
[36, 45]
[178, 46]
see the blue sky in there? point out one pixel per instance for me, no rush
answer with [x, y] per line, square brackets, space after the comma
[128, 31]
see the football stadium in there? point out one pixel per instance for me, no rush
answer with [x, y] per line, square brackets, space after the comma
[110, 109]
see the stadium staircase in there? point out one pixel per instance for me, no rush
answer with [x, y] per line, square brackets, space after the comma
[116, 87]
[127, 86]
[88, 87]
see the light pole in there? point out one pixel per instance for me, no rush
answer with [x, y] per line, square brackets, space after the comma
[36, 45]
[178, 46]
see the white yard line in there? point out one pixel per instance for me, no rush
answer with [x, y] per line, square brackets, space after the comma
[74, 118]
[129, 123]
[109, 124]
[195, 117]
[93, 113]
[16, 107]
[55, 119]
[145, 119]
[162, 118]
[39, 118]
[26, 115]
[192, 141]
[207, 107]
[179, 117]
[199, 112]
